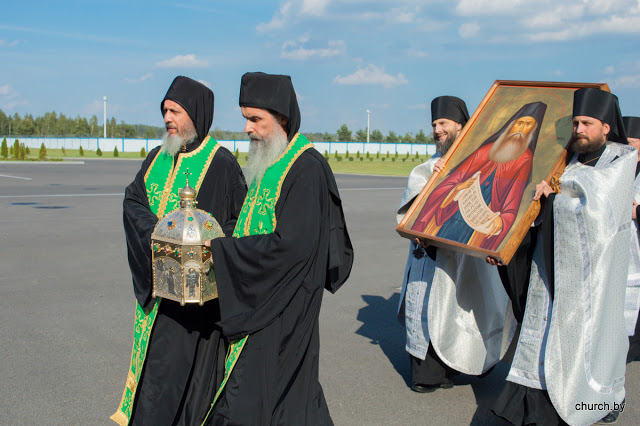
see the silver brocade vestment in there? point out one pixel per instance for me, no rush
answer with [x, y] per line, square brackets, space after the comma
[457, 303]
[575, 346]
[632, 300]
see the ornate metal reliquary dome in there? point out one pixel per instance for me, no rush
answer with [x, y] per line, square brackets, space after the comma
[182, 267]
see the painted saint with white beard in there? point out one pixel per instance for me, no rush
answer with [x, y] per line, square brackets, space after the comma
[502, 167]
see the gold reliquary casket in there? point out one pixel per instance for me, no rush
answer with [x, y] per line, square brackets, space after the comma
[182, 267]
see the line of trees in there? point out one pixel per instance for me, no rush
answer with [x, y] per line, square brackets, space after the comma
[343, 134]
[54, 124]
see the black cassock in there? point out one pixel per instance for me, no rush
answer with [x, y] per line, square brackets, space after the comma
[185, 358]
[270, 288]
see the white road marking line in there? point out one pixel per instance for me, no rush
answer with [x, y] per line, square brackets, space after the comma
[15, 177]
[120, 194]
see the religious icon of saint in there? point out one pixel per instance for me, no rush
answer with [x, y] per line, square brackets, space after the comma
[478, 202]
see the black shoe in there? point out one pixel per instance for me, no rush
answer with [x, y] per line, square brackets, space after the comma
[420, 388]
[609, 419]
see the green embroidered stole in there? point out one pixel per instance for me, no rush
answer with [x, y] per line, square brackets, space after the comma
[162, 181]
[258, 216]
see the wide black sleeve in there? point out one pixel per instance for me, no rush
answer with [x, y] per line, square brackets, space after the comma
[547, 233]
[515, 276]
[259, 275]
[139, 222]
[340, 249]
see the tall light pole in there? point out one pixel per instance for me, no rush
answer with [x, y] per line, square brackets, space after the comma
[104, 98]
[368, 121]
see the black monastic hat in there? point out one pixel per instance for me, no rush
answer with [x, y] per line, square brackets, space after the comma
[631, 126]
[451, 108]
[603, 106]
[273, 92]
[196, 99]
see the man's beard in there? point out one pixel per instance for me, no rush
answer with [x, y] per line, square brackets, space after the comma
[263, 153]
[171, 144]
[584, 145]
[509, 147]
[443, 146]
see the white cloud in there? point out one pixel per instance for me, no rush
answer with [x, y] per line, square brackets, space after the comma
[371, 75]
[5, 43]
[490, 7]
[9, 98]
[600, 6]
[6, 90]
[609, 70]
[414, 53]
[622, 24]
[139, 79]
[278, 20]
[368, 16]
[551, 20]
[557, 73]
[97, 107]
[182, 61]
[402, 16]
[554, 18]
[296, 50]
[314, 7]
[579, 30]
[627, 81]
[418, 106]
[469, 29]
[206, 83]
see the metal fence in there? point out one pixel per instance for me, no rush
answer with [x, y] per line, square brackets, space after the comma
[135, 145]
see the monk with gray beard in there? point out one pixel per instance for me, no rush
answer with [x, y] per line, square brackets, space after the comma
[172, 143]
[290, 243]
[263, 152]
[173, 378]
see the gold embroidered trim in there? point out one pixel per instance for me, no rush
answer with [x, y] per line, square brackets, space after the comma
[171, 178]
[146, 175]
[131, 384]
[166, 189]
[120, 418]
[255, 198]
[198, 149]
[284, 175]
[206, 166]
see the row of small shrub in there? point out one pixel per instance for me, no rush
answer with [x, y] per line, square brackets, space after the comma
[18, 151]
[338, 157]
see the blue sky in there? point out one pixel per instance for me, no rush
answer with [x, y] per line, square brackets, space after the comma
[344, 56]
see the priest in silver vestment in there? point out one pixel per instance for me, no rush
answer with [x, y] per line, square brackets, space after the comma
[632, 302]
[569, 364]
[454, 308]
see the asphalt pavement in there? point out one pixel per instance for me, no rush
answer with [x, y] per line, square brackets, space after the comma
[66, 307]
